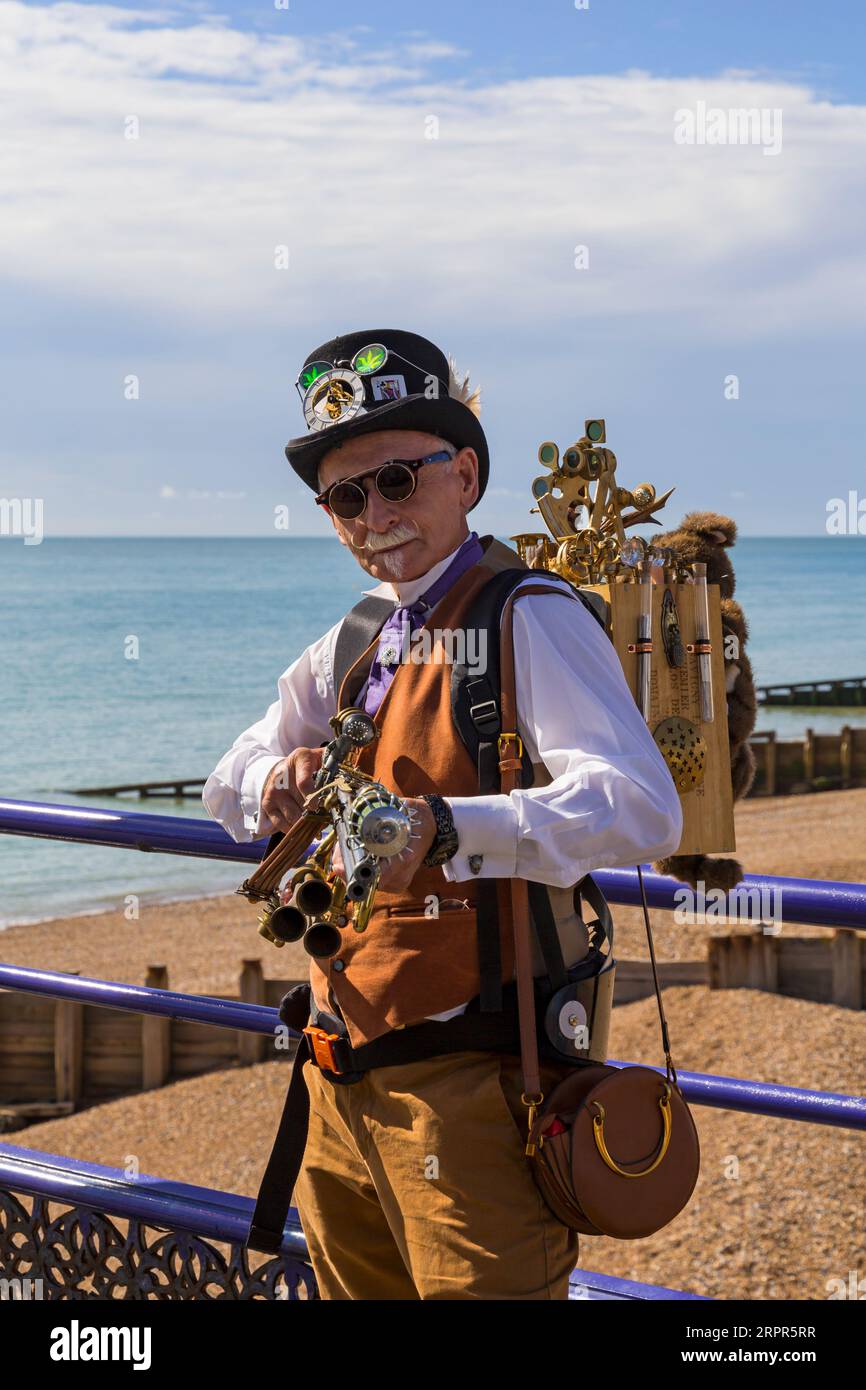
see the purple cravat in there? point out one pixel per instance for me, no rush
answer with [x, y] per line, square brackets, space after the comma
[403, 622]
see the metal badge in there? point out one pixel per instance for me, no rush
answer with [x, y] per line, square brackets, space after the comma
[572, 1021]
[684, 749]
[671, 637]
[334, 396]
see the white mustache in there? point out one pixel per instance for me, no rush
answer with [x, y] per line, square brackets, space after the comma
[376, 540]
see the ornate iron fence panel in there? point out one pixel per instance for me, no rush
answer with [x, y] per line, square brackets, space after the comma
[81, 1253]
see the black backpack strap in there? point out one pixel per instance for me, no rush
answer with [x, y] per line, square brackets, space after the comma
[544, 924]
[475, 708]
[284, 1164]
[489, 952]
[588, 890]
[357, 631]
[475, 693]
[287, 1154]
[475, 690]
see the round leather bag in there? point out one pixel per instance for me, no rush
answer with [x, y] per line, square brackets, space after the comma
[617, 1152]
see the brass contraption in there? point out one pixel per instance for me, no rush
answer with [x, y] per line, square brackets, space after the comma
[648, 593]
[346, 809]
[587, 514]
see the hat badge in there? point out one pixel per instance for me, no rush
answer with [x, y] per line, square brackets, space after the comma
[335, 391]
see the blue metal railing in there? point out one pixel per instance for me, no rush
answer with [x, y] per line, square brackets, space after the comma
[718, 1092]
[203, 1212]
[225, 1216]
[818, 902]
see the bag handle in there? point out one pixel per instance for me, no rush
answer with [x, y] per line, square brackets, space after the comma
[514, 905]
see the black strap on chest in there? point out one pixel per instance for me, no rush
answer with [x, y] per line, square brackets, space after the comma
[475, 707]
[357, 631]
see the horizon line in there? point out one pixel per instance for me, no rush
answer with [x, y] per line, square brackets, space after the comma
[317, 536]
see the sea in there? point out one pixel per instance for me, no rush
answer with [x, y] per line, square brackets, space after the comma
[140, 660]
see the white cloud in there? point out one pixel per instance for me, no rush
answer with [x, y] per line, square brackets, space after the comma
[249, 141]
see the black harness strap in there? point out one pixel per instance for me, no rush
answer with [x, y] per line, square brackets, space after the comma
[284, 1165]
[489, 951]
[547, 936]
[357, 631]
[589, 890]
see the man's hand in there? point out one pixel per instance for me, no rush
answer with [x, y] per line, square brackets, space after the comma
[288, 783]
[398, 873]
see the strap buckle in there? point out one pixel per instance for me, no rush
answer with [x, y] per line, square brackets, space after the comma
[485, 712]
[321, 1045]
[510, 738]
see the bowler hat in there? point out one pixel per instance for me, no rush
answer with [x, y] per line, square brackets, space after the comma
[381, 379]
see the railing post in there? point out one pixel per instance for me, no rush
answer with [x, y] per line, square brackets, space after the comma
[771, 963]
[155, 1037]
[847, 970]
[809, 758]
[846, 754]
[770, 778]
[251, 1046]
[68, 1049]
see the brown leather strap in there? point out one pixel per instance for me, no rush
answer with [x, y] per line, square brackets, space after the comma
[514, 906]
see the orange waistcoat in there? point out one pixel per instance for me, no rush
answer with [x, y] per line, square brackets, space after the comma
[407, 964]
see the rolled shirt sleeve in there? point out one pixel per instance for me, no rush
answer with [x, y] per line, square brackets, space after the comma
[611, 801]
[298, 718]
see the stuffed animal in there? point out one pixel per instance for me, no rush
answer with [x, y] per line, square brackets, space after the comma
[706, 537]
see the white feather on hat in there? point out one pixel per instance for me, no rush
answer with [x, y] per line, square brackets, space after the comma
[461, 391]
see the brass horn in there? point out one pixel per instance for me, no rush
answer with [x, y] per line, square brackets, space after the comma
[322, 940]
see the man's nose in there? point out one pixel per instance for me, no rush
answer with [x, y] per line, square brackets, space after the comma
[379, 513]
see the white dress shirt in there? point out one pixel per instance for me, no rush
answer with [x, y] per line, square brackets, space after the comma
[611, 800]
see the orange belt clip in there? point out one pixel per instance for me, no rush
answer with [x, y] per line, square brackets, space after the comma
[322, 1046]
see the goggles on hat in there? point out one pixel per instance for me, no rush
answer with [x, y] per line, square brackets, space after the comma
[395, 480]
[366, 360]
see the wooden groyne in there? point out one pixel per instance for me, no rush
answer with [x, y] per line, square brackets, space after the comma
[58, 1055]
[178, 787]
[847, 693]
[818, 762]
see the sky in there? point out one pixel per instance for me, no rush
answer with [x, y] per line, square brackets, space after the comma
[194, 196]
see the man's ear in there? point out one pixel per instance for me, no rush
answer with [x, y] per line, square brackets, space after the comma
[466, 465]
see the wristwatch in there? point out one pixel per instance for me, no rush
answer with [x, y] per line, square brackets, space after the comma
[445, 841]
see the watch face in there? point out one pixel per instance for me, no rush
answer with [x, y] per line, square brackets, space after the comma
[333, 396]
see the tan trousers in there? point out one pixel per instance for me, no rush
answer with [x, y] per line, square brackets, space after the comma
[415, 1185]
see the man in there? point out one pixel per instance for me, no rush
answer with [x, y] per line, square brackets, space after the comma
[415, 1182]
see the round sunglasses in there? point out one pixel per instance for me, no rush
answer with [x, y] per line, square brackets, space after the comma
[395, 480]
